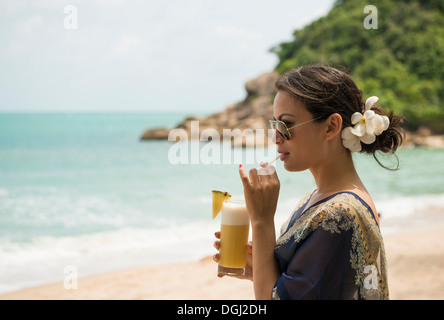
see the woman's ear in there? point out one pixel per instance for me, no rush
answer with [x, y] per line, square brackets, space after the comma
[334, 126]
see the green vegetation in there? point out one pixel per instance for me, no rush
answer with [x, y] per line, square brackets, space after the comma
[401, 62]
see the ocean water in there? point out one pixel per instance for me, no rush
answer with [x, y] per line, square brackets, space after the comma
[83, 191]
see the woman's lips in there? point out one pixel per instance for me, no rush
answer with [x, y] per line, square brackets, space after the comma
[284, 156]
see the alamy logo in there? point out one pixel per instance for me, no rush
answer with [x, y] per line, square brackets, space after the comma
[70, 281]
[371, 21]
[71, 20]
[371, 281]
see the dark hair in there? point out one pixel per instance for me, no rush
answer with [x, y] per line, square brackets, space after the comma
[325, 90]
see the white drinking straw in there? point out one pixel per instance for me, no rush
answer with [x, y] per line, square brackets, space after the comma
[268, 163]
[274, 159]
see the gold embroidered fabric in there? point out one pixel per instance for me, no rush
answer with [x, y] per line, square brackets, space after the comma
[342, 212]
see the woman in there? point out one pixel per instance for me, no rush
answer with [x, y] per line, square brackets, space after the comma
[331, 246]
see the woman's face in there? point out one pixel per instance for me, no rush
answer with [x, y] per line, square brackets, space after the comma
[305, 147]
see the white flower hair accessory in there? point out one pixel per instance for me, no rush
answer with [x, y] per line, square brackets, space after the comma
[366, 127]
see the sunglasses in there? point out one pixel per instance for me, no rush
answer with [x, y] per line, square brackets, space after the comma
[282, 128]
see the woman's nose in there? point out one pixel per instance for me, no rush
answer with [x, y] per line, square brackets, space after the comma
[277, 138]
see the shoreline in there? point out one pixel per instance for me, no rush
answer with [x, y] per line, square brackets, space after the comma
[415, 258]
[189, 281]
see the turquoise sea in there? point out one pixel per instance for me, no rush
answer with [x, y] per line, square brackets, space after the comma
[83, 190]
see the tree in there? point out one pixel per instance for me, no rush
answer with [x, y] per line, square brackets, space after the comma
[402, 61]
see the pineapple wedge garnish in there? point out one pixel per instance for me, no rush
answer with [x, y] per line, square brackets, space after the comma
[218, 198]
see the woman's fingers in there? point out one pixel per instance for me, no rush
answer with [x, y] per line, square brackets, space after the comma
[216, 259]
[243, 175]
[254, 177]
[265, 170]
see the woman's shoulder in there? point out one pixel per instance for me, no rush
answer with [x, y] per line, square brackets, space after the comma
[306, 197]
[347, 205]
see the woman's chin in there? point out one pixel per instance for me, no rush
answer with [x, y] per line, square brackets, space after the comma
[291, 166]
[288, 166]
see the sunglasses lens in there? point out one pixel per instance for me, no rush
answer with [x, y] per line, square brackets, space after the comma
[282, 129]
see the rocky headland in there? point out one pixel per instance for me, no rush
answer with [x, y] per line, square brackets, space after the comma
[254, 112]
[251, 113]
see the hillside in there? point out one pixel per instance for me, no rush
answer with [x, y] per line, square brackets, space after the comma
[402, 61]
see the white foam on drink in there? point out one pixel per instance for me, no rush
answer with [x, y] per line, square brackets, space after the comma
[234, 214]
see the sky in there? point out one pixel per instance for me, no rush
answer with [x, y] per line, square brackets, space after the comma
[140, 56]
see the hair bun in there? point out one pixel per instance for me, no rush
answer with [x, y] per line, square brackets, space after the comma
[389, 140]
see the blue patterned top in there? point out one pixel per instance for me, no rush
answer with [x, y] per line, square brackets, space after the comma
[331, 250]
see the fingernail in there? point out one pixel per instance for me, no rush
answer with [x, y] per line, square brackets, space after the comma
[240, 166]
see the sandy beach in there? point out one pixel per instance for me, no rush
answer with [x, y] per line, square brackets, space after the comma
[415, 270]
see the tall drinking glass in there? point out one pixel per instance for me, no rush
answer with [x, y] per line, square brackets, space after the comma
[235, 227]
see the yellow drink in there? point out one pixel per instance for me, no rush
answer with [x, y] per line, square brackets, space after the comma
[233, 246]
[235, 226]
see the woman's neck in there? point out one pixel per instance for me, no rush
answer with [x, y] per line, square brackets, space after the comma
[336, 174]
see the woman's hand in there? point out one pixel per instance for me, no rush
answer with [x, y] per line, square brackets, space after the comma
[248, 268]
[261, 193]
